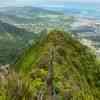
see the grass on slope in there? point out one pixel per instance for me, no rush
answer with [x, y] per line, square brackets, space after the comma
[76, 73]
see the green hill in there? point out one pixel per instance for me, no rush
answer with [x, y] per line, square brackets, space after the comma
[12, 41]
[75, 71]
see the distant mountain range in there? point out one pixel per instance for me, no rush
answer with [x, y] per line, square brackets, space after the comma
[26, 11]
[19, 15]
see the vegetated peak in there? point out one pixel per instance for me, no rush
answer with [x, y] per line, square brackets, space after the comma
[61, 42]
[75, 72]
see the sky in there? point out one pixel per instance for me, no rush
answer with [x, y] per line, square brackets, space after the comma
[41, 2]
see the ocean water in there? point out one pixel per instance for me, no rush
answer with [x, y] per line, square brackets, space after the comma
[88, 10]
[83, 10]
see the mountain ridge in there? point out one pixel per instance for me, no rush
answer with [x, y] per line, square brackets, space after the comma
[73, 65]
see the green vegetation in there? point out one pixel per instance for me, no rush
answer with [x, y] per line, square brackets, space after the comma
[75, 73]
[12, 42]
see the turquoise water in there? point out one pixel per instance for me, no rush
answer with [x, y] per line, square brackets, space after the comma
[83, 10]
[80, 9]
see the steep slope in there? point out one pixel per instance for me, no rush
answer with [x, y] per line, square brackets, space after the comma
[75, 72]
[14, 31]
[12, 41]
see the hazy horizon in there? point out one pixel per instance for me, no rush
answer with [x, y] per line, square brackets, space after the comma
[5, 3]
